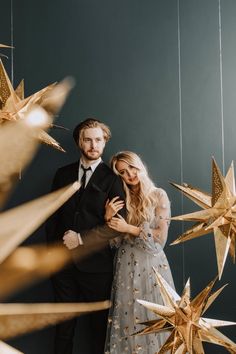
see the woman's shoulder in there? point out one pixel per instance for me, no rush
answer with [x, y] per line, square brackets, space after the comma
[161, 197]
[159, 192]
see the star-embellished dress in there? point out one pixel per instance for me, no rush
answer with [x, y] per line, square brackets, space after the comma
[135, 279]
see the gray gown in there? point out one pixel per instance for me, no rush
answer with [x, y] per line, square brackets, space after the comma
[135, 279]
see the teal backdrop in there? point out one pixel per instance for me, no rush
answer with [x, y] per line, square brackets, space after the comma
[161, 74]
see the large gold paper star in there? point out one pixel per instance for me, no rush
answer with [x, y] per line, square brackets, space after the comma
[18, 140]
[218, 216]
[13, 105]
[181, 318]
[23, 266]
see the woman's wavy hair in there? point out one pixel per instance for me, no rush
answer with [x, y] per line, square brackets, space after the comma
[140, 204]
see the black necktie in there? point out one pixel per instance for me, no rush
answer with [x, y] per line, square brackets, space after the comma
[83, 179]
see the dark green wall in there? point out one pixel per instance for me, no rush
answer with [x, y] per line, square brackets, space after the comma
[125, 56]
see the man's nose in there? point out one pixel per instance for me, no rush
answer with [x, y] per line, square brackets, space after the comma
[93, 143]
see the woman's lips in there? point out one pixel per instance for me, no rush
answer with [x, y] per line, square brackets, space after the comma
[132, 179]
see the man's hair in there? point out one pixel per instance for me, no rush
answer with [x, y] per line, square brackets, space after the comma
[91, 123]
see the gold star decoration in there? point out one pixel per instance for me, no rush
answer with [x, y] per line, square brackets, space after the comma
[13, 105]
[22, 266]
[18, 140]
[17, 147]
[181, 318]
[218, 216]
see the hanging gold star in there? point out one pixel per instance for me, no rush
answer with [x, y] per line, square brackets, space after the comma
[181, 318]
[13, 105]
[23, 266]
[18, 140]
[218, 216]
[17, 147]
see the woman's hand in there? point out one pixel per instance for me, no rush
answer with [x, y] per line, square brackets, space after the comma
[112, 207]
[118, 224]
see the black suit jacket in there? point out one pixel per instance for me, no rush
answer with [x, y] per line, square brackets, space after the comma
[87, 212]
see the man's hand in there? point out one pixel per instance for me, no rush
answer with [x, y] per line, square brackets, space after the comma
[70, 239]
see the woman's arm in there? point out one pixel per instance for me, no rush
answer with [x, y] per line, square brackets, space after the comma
[162, 218]
[162, 221]
[119, 224]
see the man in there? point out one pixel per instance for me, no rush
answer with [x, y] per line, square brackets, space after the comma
[82, 216]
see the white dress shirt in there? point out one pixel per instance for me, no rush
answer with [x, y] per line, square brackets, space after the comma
[89, 173]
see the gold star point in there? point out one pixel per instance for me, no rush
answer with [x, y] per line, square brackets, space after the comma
[218, 214]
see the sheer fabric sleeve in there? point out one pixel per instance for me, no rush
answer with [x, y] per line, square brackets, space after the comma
[162, 217]
[154, 234]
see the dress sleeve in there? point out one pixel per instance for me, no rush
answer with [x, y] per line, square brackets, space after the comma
[154, 234]
[162, 217]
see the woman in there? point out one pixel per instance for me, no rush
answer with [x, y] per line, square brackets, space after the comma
[141, 249]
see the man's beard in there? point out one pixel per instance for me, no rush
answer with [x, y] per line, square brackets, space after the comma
[91, 158]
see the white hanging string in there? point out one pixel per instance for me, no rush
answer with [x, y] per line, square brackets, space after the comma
[12, 45]
[180, 133]
[221, 92]
[180, 111]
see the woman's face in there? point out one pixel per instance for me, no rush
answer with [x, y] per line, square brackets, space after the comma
[128, 173]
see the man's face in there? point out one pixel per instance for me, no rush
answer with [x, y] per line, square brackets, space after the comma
[92, 143]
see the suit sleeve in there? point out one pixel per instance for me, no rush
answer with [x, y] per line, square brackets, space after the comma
[117, 190]
[102, 234]
[99, 236]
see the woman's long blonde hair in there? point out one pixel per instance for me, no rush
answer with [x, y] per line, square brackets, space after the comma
[140, 204]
